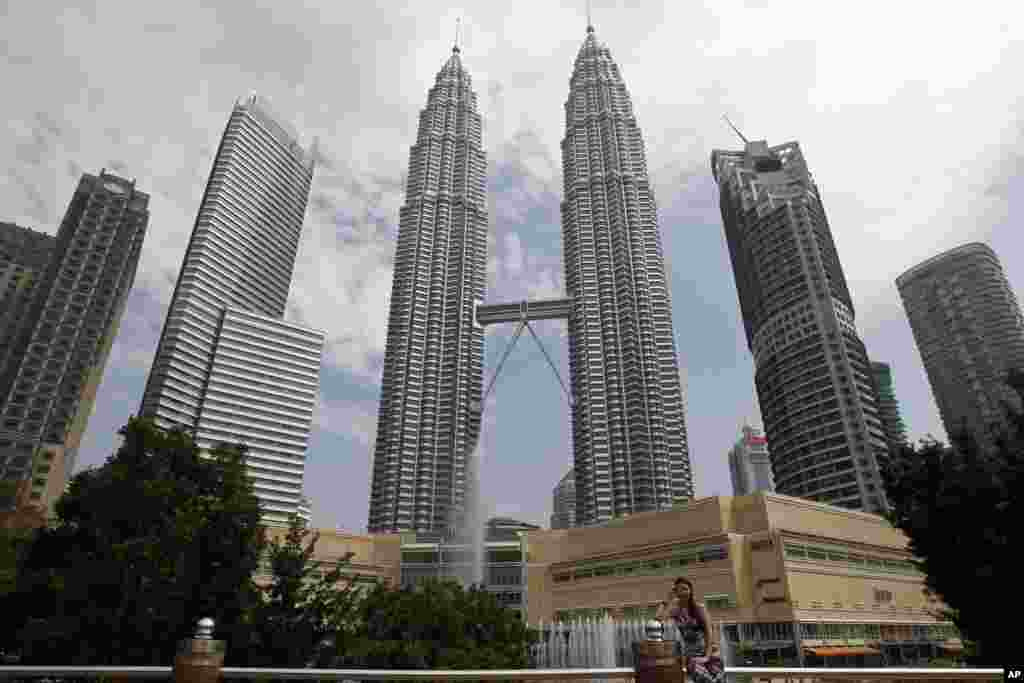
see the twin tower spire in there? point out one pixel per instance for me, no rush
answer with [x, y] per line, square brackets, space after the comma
[629, 439]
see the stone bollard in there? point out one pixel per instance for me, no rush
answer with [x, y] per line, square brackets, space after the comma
[200, 658]
[656, 660]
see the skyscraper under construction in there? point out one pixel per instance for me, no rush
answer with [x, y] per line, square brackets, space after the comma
[813, 378]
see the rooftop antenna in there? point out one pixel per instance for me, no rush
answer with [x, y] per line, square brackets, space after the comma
[736, 130]
[590, 24]
[458, 27]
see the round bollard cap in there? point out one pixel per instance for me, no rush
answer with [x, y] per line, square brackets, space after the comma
[204, 628]
[655, 630]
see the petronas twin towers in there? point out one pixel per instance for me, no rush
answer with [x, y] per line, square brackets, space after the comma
[629, 435]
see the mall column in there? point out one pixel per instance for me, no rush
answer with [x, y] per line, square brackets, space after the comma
[199, 658]
[656, 660]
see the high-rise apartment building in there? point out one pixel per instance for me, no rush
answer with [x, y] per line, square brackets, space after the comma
[629, 435]
[60, 312]
[750, 467]
[228, 367]
[429, 416]
[888, 407]
[563, 515]
[24, 257]
[812, 373]
[968, 328]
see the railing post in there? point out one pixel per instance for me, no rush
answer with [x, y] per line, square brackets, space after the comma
[200, 658]
[656, 660]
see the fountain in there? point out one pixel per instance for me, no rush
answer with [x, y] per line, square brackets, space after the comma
[467, 530]
[591, 643]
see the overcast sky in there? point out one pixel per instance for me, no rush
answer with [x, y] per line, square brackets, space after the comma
[910, 117]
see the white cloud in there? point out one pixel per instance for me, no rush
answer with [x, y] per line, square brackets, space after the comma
[514, 258]
[353, 419]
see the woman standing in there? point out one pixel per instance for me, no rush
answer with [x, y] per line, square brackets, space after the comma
[697, 631]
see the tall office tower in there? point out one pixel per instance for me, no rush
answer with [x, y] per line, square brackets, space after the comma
[227, 366]
[563, 515]
[969, 331]
[60, 335]
[750, 466]
[433, 364]
[888, 407]
[629, 436]
[812, 373]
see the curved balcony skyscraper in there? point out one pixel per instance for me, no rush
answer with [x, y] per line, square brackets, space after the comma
[433, 364]
[813, 378]
[629, 436]
[970, 332]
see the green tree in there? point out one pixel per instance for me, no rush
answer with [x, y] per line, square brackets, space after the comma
[437, 625]
[961, 509]
[301, 608]
[143, 546]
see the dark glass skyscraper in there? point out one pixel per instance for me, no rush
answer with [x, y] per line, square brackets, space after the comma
[433, 365]
[813, 378]
[969, 330]
[888, 407]
[64, 302]
[629, 435]
[563, 503]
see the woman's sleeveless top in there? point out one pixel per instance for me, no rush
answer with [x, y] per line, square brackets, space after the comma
[691, 632]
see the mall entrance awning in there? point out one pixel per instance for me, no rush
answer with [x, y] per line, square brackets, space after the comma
[840, 651]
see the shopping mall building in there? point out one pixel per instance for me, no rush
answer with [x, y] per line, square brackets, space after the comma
[786, 579]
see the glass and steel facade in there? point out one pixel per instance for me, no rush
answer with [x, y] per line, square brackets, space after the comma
[629, 435]
[813, 378]
[969, 331]
[234, 284]
[60, 319]
[750, 466]
[429, 415]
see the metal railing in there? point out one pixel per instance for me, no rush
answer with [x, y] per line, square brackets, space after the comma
[653, 632]
[752, 674]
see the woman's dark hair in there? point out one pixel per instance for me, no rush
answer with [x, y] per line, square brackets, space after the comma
[691, 606]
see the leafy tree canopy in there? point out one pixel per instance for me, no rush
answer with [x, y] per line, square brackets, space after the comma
[437, 625]
[143, 547]
[961, 508]
[301, 609]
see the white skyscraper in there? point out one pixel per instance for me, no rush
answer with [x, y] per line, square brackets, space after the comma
[227, 366]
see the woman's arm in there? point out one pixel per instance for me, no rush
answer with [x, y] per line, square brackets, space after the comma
[663, 612]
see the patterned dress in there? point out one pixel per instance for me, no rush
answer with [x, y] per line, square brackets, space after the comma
[700, 668]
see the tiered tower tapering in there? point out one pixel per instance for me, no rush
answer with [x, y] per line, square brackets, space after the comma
[629, 436]
[433, 363]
